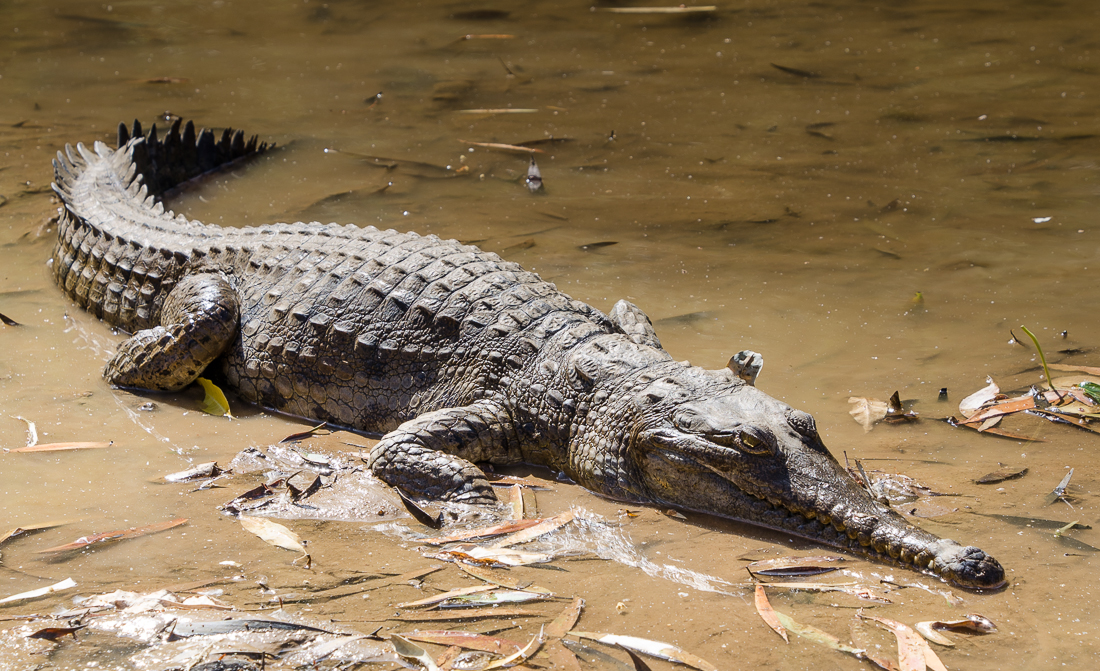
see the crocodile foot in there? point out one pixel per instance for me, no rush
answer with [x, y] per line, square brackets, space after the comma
[433, 454]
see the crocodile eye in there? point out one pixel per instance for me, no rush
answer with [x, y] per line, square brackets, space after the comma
[753, 444]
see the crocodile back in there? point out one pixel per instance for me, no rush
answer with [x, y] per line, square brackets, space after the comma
[357, 326]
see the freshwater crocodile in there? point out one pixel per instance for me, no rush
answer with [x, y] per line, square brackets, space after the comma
[452, 354]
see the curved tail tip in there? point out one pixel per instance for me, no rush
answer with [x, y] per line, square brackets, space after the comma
[969, 567]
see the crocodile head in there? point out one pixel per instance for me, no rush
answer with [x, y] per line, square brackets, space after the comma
[706, 441]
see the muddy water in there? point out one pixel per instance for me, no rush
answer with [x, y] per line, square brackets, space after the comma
[774, 176]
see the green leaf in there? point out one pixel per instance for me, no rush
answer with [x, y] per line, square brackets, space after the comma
[1091, 389]
[215, 402]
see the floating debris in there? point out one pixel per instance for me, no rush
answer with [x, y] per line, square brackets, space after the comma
[113, 536]
[63, 447]
[38, 593]
[276, 534]
[764, 608]
[534, 176]
[214, 403]
[678, 9]
[504, 147]
[1059, 491]
[796, 566]
[913, 651]
[203, 471]
[645, 646]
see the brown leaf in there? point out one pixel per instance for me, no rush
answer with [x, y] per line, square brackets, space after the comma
[867, 411]
[542, 528]
[507, 527]
[1091, 370]
[465, 639]
[913, 651]
[418, 513]
[54, 633]
[463, 614]
[764, 608]
[111, 536]
[566, 620]
[63, 447]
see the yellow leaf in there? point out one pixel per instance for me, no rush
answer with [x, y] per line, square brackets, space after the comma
[215, 402]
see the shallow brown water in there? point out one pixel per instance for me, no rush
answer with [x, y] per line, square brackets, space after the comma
[936, 147]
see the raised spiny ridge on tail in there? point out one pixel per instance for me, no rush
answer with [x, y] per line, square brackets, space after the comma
[182, 156]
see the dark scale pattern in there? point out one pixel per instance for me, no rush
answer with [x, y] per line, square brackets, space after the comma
[454, 354]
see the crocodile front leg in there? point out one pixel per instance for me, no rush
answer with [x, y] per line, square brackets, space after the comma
[432, 455]
[198, 321]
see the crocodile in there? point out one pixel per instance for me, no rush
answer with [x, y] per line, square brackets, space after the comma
[449, 353]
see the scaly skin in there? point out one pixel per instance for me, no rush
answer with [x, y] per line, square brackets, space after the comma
[455, 355]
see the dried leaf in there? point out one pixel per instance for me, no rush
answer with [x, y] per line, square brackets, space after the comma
[63, 447]
[504, 147]
[928, 631]
[515, 502]
[811, 633]
[639, 665]
[867, 411]
[1000, 476]
[1059, 491]
[500, 555]
[972, 622]
[1091, 370]
[275, 534]
[465, 639]
[199, 472]
[679, 9]
[533, 532]
[409, 650]
[796, 566]
[507, 527]
[54, 633]
[8, 321]
[295, 437]
[913, 651]
[460, 614]
[561, 658]
[521, 656]
[28, 528]
[497, 578]
[566, 620]
[970, 405]
[120, 535]
[499, 110]
[863, 592]
[647, 647]
[428, 601]
[36, 593]
[764, 608]
[215, 402]
[493, 598]
[1005, 408]
[418, 513]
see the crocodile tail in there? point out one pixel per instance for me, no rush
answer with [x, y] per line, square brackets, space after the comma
[184, 154]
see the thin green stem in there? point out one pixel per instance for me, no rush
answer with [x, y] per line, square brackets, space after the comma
[1042, 357]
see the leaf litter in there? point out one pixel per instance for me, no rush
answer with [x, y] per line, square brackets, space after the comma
[567, 534]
